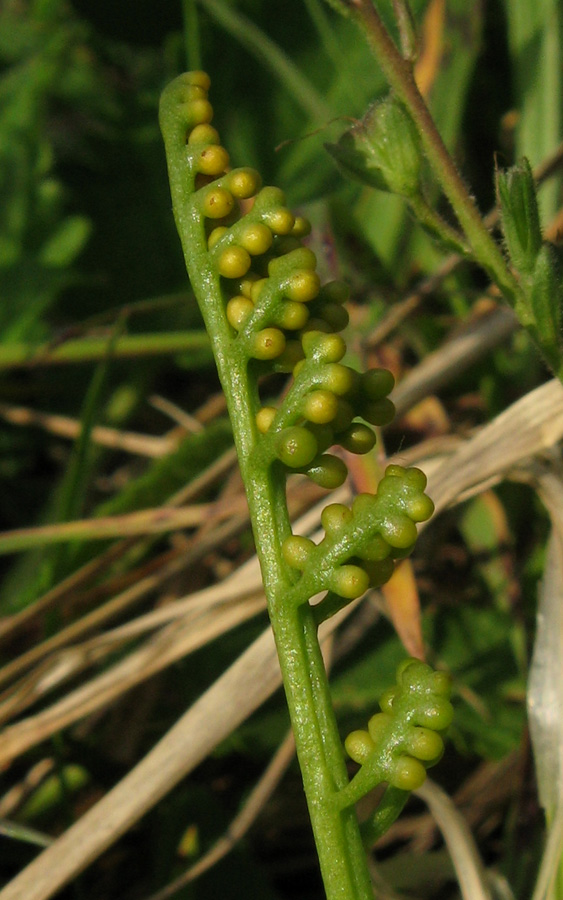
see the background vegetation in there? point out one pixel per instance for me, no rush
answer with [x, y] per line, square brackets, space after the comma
[120, 504]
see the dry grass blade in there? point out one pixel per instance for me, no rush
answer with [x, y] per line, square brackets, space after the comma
[63, 426]
[187, 423]
[101, 615]
[146, 521]
[135, 592]
[63, 660]
[250, 811]
[456, 355]
[142, 585]
[241, 593]
[56, 597]
[15, 796]
[403, 308]
[168, 646]
[103, 562]
[463, 851]
[243, 821]
[528, 427]
[545, 687]
[228, 702]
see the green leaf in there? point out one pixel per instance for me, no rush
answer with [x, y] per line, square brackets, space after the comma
[53, 791]
[535, 33]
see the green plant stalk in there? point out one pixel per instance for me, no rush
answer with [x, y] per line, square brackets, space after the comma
[390, 807]
[400, 76]
[433, 222]
[191, 34]
[326, 33]
[549, 878]
[269, 54]
[337, 835]
[93, 349]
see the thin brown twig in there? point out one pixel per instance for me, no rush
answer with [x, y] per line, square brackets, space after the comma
[146, 445]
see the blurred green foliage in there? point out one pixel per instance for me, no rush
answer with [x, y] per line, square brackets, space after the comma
[88, 245]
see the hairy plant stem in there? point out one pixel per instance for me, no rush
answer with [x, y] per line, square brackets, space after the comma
[435, 224]
[319, 749]
[400, 76]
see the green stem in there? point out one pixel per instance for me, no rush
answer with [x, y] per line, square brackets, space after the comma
[337, 834]
[269, 54]
[191, 34]
[435, 224]
[351, 836]
[390, 807]
[327, 34]
[400, 76]
[94, 349]
[319, 749]
[407, 29]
